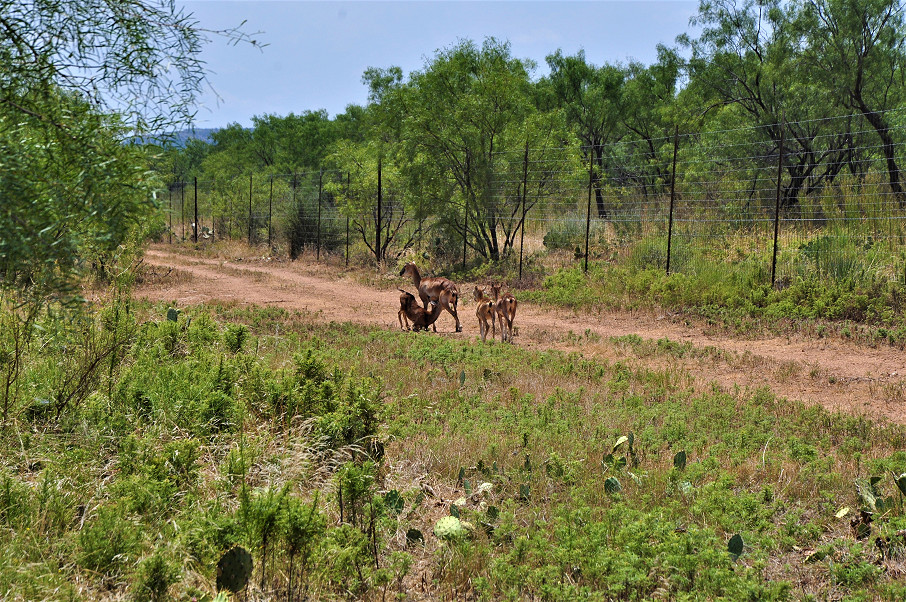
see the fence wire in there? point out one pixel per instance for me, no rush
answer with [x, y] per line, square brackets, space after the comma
[693, 203]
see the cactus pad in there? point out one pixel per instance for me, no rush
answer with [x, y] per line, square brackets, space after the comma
[234, 569]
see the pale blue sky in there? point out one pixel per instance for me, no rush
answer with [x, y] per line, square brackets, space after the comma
[317, 51]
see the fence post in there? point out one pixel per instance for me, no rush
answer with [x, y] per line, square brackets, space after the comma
[672, 198]
[591, 158]
[465, 217]
[777, 202]
[270, 214]
[250, 209]
[213, 212]
[171, 214]
[524, 193]
[347, 221]
[380, 201]
[182, 209]
[195, 223]
[320, 180]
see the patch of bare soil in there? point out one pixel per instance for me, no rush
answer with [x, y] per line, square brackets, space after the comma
[837, 374]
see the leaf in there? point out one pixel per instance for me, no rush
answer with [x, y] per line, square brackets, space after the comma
[462, 378]
[631, 440]
[414, 536]
[620, 442]
[735, 545]
[528, 464]
[842, 512]
[524, 493]
[679, 460]
[816, 556]
[173, 315]
[493, 513]
[467, 486]
[686, 487]
[867, 496]
[450, 527]
[454, 510]
[462, 475]
[612, 486]
[484, 488]
[394, 501]
[901, 483]
[873, 482]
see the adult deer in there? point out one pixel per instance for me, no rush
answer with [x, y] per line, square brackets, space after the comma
[430, 289]
[505, 307]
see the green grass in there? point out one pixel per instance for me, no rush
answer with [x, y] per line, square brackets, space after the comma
[870, 311]
[234, 426]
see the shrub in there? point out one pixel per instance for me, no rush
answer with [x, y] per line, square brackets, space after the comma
[107, 543]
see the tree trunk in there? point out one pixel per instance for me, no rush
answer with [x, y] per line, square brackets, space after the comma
[878, 122]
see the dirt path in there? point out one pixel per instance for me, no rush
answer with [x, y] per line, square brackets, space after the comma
[836, 374]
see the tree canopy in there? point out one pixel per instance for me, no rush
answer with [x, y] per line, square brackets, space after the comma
[818, 83]
[81, 81]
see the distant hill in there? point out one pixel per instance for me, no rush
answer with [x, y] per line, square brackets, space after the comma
[179, 139]
[204, 134]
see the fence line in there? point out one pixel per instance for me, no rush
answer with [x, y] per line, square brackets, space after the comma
[684, 208]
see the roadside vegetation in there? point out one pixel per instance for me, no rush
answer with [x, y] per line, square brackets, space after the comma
[144, 443]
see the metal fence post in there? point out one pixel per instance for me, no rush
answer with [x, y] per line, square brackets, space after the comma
[777, 202]
[250, 209]
[270, 214]
[347, 221]
[465, 217]
[214, 227]
[195, 223]
[672, 198]
[320, 181]
[524, 193]
[171, 214]
[591, 158]
[182, 208]
[380, 200]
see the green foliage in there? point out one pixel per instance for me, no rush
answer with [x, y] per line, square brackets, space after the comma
[648, 525]
[155, 575]
[107, 543]
[235, 336]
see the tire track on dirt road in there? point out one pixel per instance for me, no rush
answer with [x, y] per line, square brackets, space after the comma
[837, 374]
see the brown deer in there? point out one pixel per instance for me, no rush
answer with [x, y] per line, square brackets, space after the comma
[431, 289]
[505, 307]
[485, 312]
[421, 318]
[406, 302]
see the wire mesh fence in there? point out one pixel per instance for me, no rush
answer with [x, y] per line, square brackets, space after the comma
[778, 202]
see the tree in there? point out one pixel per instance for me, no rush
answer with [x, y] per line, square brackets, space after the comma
[79, 80]
[857, 49]
[750, 55]
[591, 98]
[462, 110]
[649, 116]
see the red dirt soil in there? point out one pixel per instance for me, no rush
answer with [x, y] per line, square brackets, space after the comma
[838, 374]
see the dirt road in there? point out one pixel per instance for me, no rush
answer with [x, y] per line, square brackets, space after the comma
[837, 374]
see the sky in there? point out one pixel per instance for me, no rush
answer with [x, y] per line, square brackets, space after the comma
[316, 52]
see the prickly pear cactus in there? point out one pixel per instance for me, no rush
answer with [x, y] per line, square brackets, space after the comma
[234, 569]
